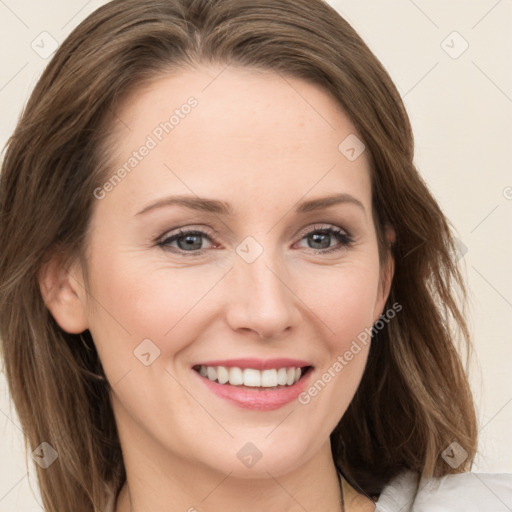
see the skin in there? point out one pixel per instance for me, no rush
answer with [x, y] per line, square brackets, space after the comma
[261, 143]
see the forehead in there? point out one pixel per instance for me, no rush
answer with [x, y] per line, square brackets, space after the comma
[228, 132]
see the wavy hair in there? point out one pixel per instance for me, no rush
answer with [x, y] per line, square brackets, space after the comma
[414, 398]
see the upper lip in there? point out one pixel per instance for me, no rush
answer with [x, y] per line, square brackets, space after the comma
[257, 364]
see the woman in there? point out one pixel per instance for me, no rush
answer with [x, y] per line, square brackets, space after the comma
[224, 285]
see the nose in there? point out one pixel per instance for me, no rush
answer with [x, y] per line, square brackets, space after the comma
[261, 298]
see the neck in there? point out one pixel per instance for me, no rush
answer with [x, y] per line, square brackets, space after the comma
[184, 486]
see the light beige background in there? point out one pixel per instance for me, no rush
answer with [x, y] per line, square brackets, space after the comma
[461, 111]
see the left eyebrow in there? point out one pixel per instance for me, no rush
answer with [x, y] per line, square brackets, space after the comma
[223, 208]
[193, 203]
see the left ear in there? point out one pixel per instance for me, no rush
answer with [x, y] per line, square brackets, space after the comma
[63, 293]
[387, 272]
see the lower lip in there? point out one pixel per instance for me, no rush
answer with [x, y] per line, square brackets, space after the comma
[258, 399]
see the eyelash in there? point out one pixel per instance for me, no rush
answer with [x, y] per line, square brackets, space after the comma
[343, 237]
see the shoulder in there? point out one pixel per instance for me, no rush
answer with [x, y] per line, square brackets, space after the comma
[467, 492]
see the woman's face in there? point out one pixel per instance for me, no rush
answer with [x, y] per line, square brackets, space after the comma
[263, 276]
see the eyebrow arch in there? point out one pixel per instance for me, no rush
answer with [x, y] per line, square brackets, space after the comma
[326, 202]
[223, 208]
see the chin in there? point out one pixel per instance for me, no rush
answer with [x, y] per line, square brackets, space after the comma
[256, 458]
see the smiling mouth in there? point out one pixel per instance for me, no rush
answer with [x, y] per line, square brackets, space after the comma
[272, 378]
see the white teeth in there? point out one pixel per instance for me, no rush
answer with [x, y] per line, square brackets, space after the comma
[281, 376]
[222, 375]
[269, 378]
[211, 373]
[251, 377]
[236, 376]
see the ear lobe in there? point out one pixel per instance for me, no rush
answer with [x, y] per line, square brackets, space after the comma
[64, 294]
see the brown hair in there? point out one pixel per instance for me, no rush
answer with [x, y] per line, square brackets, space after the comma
[414, 398]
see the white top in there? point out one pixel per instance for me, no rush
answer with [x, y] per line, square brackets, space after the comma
[464, 492]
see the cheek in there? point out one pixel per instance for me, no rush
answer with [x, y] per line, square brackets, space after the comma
[343, 298]
[135, 299]
[345, 304]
